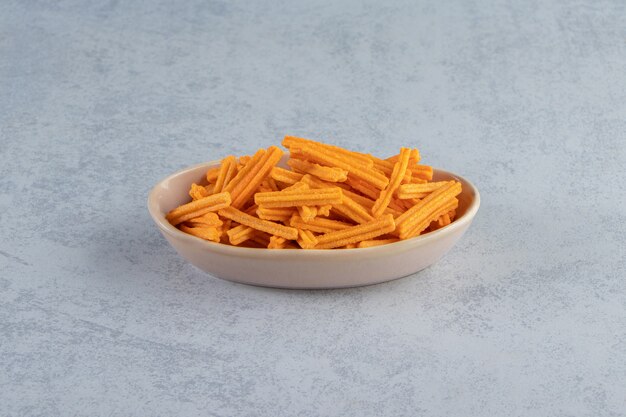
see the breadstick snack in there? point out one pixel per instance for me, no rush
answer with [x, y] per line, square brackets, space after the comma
[319, 197]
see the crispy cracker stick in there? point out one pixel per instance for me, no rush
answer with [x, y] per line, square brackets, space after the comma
[324, 210]
[297, 186]
[285, 176]
[329, 158]
[386, 167]
[402, 197]
[424, 172]
[443, 220]
[247, 181]
[239, 234]
[307, 213]
[315, 182]
[272, 184]
[363, 187]
[206, 233]
[330, 174]
[350, 246]
[414, 158]
[295, 142]
[355, 234]
[244, 159]
[376, 242]
[318, 225]
[368, 203]
[306, 239]
[207, 220]
[418, 228]
[353, 211]
[422, 210]
[303, 197]
[211, 174]
[399, 169]
[407, 191]
[227, 172]
[373, 194]
[197, 192]
[259, 224]
[198, 208]
[278, 214]
[277, 242]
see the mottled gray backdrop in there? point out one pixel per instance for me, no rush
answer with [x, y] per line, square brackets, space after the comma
[99, 100]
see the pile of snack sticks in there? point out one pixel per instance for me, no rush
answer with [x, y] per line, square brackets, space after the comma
[329, 198]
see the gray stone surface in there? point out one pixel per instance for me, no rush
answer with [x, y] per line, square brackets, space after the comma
[98, 101]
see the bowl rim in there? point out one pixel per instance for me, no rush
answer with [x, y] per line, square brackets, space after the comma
[277, 254]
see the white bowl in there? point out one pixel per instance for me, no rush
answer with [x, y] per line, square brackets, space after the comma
[311, 268]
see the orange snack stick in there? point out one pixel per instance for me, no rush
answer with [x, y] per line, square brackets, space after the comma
[198, 208]
[407, 204]
[259, 224]
[227, 172]
[197, 192]
[431, 219]
[368, 203]
[296, 143]
[209, 189]
[318, 225]
[315, 182]
[407, 221]
[277, 242]
[300, 197]
[376, 242]
[399, 169]
[227, 223]
[306, 239]
[206, 233]
[278, 214]
[407, 191]
[239, 234]
[247, 180]
[352, 210]
[413, 159]
[423, 172]
[211, 174]
[355, 234]
[307, 213]
[206, 220]
[408, 197]
[330, 174]
[271, 183]
[285, 176]
[363, 187]
[350, 246]
[244, 159]
[324, 210]
[443, 220]
[330, 158]
[297, 186]
[386, 167]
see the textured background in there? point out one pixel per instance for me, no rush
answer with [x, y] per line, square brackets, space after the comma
[98, 101]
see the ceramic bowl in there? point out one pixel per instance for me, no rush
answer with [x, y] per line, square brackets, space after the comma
[291, 268]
